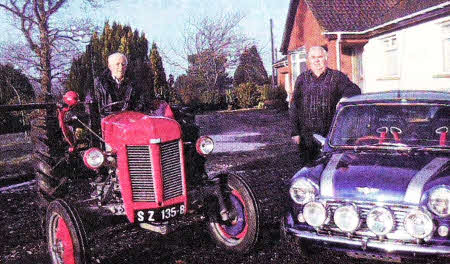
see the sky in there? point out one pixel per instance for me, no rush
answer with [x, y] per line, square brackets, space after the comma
[163, 21]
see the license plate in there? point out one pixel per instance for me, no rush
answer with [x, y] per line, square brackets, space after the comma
[160, 214]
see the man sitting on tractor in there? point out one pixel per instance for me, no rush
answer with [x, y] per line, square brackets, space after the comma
[115, 91]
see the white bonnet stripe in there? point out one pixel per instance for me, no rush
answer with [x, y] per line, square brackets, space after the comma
[415, 187]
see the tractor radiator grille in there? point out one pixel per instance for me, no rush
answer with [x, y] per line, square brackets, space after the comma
[140, 168]
[171, 169]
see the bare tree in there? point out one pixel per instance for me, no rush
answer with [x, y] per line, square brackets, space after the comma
[50, 42]
[211, 45]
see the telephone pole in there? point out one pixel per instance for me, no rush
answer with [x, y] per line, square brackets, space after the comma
[273, 55]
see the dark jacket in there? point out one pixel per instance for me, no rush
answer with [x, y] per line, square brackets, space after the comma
[315, 100]
[106, 91]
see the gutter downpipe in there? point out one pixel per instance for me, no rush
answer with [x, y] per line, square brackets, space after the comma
[338, 51]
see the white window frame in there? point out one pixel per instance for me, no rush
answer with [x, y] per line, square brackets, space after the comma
[298, 58]
[391, 56]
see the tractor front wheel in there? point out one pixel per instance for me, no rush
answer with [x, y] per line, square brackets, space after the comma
[66, 236]
[240, 233]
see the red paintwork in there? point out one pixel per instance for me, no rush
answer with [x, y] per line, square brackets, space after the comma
[133, 128]
[63, 235]
[71, 98]
[168, 112]
[65, 130]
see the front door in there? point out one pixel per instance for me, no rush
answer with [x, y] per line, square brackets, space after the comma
[357, 67]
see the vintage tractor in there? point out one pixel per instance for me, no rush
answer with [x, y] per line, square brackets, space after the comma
[146, 168]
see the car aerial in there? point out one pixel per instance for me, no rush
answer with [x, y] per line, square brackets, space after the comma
[381, 186]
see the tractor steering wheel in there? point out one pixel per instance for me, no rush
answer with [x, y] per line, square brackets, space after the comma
[103, 108]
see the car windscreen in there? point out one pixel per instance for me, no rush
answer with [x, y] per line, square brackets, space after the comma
[415, 125]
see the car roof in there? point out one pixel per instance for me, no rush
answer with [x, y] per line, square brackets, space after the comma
[402, 96]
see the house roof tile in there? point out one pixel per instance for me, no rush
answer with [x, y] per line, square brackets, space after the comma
[360, 15]
[356, 15]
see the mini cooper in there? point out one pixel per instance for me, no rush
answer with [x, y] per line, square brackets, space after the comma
[381, 186]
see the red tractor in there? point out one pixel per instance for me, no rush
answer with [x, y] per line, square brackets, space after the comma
[148, 168]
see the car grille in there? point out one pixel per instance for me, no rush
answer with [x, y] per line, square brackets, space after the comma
[399, 212]
[171, 170]
[141, 173]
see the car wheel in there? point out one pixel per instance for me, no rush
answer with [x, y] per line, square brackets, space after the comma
[242, 232]
[66, 236]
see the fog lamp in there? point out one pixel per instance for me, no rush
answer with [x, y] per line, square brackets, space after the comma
[347, 218]
[380, 221]
[300, 218]
[204, 145]
[315, 214]
[93, 158]
[418, 224]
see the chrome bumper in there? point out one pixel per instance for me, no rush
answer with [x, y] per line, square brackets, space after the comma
[389, 247]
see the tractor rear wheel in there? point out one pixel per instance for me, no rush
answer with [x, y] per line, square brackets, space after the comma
[48, 154]
[49, 162]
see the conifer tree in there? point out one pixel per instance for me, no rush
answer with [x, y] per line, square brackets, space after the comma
[250, 69]
[159, 76]
[94, 60]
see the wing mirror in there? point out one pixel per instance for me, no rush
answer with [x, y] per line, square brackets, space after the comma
[71, 98]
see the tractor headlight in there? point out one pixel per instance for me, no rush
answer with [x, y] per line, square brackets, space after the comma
[302, 191]
[380, 221]
[439, 201]
[418, 224]
[93, 158]
[204, 145]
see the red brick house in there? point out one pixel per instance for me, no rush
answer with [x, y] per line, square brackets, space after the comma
[345, 27]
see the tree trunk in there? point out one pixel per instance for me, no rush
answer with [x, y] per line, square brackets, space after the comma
[46, 73]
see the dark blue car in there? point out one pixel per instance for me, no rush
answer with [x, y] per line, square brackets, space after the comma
[381, 187]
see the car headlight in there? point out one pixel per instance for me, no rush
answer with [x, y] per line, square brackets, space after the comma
[418, 224]
[315, 214]
[302, 191]
[93, 158]
[439, 201]
[380, 221]
[347, 218]
[204, 145]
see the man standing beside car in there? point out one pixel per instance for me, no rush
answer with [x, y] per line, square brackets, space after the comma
[316, 94]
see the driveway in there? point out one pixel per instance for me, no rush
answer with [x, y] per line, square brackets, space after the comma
[254, 144]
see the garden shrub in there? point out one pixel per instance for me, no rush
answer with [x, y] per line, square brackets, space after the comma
[247, 95]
